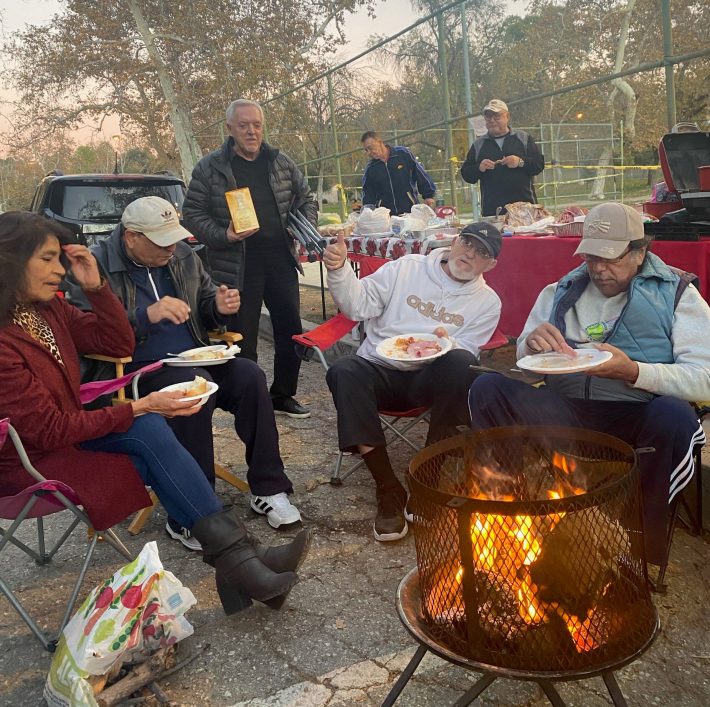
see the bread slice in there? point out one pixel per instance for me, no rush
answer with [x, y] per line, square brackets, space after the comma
[196, 387]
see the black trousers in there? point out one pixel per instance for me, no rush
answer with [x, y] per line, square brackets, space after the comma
[242, 391]
[665, 423]
[271, 278]
[360, 388]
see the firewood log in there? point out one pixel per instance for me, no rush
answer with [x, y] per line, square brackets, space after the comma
[578, 559]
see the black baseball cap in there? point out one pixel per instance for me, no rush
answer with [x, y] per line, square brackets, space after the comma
[487, 234]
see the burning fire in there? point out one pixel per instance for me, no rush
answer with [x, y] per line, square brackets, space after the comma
[504, 547]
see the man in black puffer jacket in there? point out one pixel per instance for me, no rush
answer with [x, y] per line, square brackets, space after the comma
[261, 264]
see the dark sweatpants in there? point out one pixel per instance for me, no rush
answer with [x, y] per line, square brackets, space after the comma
[668, 424]
[360, 388]
[242, 391]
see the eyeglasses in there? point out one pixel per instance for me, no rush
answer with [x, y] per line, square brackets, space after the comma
[472, 244]
[493, 116]
[594, 260]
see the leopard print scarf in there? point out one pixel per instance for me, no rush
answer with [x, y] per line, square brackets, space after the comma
[28, 318]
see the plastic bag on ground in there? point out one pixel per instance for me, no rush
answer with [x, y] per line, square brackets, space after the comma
[126, 618]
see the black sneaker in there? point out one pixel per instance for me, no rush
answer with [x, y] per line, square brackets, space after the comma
[290, 407]
[390, 523]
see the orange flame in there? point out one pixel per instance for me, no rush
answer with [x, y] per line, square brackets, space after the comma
[508, 545]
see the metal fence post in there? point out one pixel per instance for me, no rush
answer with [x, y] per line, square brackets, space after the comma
[334, 130]
[668, 66]
[468, 99]
[447, 108]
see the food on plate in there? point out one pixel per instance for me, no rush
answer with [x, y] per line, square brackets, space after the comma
[409, 347]
[207, 355]
[194, 388]
[559, 360]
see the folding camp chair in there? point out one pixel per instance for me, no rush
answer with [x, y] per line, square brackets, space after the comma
[396, 423]
[42, 498]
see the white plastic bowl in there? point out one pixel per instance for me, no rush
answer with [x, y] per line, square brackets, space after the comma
[212, 387]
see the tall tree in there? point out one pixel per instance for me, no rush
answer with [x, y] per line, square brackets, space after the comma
[164, 67]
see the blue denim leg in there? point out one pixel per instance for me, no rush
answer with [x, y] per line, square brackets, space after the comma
[164, 465]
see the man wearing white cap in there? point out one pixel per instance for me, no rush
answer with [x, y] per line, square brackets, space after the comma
[504, 161]
[171, 303]
[626, 301]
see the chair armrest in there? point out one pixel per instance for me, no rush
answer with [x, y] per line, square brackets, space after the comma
[110, 359]
[322, 337]
[228, 337]
[118, 362]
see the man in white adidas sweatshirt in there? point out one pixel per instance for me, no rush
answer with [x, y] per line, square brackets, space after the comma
[443, 293]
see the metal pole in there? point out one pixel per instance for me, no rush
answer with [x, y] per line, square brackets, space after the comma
[305, 158]
[621, 150]
[447, 108]
[333, 129]
[475, 206]
[668, 66]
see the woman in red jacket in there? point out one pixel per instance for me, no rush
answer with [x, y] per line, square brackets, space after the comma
[107, 455]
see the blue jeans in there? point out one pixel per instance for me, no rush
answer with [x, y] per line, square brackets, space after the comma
[164, 465]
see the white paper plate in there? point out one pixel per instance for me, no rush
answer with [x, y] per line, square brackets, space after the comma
[388, 350]
[554, 363]
[212, 387]
[185, 360]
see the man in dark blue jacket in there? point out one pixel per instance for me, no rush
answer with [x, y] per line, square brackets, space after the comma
[393, 178]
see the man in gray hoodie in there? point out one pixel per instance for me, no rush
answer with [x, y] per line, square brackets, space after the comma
[443, 293]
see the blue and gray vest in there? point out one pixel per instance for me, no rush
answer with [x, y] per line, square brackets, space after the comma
[642, 331]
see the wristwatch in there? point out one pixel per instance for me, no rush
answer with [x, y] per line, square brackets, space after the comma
[521, 163]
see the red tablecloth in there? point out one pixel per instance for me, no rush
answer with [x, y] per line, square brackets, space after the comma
[526, 264]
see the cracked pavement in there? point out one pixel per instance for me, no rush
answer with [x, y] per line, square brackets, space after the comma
[338, 640]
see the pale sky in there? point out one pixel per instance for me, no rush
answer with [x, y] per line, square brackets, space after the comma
[392, 16]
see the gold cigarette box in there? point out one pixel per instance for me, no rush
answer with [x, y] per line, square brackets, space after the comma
[241, 209]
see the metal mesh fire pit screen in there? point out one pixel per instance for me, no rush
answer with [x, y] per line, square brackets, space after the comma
[529, 549]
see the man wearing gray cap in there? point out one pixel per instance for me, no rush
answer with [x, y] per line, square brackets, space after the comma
[171, 303]
[653, 323]
[503, 160]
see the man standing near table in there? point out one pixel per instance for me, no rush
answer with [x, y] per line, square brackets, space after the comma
[263, 264]
[393, 177]
[626, 301]
[444, 293]
[504, 161]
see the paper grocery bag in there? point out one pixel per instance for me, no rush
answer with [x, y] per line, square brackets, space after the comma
[241, 209]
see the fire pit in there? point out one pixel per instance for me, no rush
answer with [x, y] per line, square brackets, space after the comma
[529, 556]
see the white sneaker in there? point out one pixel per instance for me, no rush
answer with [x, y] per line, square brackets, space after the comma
[277, 509]
[185, 537]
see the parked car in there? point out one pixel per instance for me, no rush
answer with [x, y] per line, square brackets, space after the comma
[91, 204]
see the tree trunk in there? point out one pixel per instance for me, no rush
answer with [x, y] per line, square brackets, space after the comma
[627, 92]
[180, 119]
[597, 191]
[619, 86]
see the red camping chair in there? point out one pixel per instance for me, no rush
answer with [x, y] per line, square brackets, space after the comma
[43, 498]
[396, 423]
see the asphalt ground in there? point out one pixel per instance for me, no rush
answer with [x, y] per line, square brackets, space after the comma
[338, 640]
